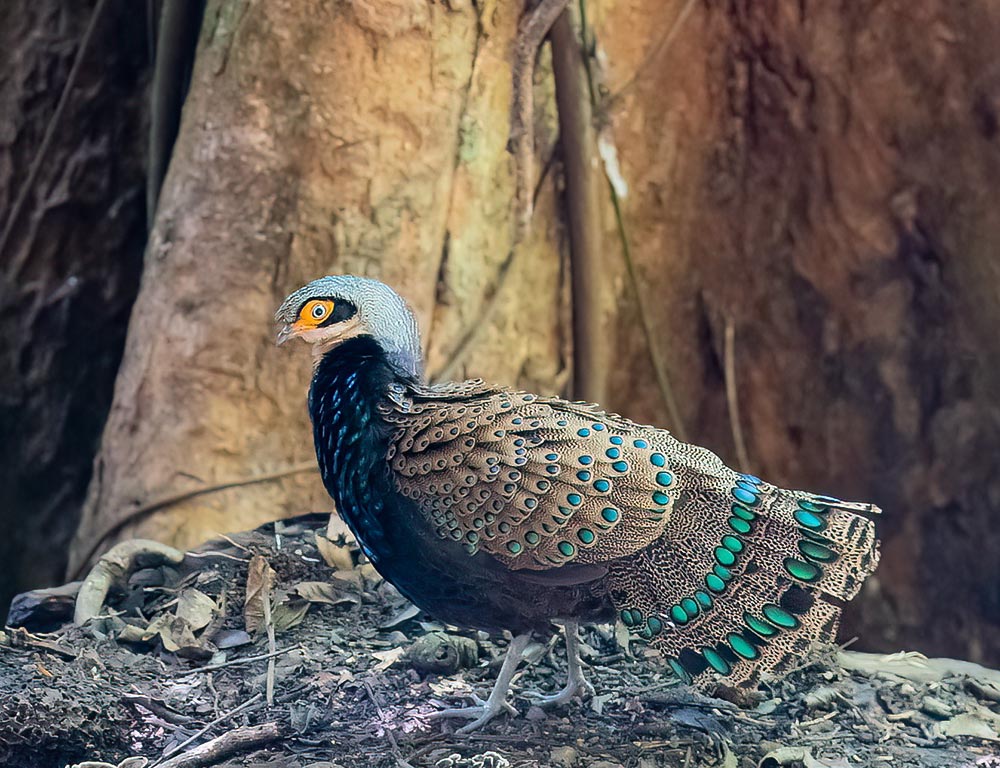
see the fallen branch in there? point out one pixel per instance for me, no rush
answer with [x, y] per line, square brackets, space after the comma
[239, 740]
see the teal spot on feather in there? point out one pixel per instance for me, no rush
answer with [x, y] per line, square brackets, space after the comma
[583, 476]
[753, 479]
[733, 544]
[602, 486]
[664, 478]
[585, 460]
[657, 460]
[809, 506]
[615, 440]
[583, 432]
[513, 547]
[714, 583]
[704, 598]
[723, 573]
[809, 520]
[552, 469]
[472, 536]
[610, 514]
[586, 536]
[741, 646]
[626, 617]
[613, 453]
[678, 614]
[690, 606]
[598, 427]
[743, 513]
[567, 549]
[742, 494]
[661, 498]
[655, 625]
[575, 499]
[762, 628]
[738, 525]
[551, 457]
[815, 551]
[715, 661]
[532, 537]
[802, 570]
[640, 444]
[747, 486]
[724, 556]
[682, 674]
[780, 617]
[620, 466]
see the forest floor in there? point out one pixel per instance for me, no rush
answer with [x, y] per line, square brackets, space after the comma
[353, 673]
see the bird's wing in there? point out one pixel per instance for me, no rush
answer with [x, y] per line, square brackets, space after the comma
[536, 482]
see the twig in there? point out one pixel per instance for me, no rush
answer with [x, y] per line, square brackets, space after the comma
[176, 498]
[50, 130]
[239, 740]
[198, 734]
[243, 660]
[576, 139]
[732, 399]
[269, 626]
[400, 760]
[532, 30]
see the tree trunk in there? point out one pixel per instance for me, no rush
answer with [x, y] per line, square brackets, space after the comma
[72, 230]
[365, 137]
[805, 191]
[822, 179]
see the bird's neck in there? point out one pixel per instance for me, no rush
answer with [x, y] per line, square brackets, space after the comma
[350, 436]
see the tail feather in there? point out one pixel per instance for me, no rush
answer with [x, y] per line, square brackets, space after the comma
[745, 577]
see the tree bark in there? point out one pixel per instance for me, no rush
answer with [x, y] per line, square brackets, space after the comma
[823, 178]
[72, 231]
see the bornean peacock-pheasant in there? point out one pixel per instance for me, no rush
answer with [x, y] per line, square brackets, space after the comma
[502, 510]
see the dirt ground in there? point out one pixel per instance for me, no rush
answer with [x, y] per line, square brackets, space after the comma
[192, 653]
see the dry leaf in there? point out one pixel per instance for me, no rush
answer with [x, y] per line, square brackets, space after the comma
[407, 613]
[196, 608]
[335, 555]
[326, 592]
[260, 584]
[288, 613]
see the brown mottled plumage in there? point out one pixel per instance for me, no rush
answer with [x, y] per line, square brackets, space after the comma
[500, 509]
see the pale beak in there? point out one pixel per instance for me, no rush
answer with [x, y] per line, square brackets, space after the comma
[284, 334]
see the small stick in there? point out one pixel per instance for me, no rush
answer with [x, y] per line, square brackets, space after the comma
[269, 625]
[198, 734]
[243, 660]
[239, 740]
[400, 760]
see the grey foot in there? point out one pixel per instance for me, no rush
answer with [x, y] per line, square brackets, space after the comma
[580, 687]
[481, 713]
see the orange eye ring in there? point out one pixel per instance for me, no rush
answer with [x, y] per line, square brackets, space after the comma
[315, 312]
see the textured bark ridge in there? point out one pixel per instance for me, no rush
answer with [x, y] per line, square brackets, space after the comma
[807, 192]
[72, 229]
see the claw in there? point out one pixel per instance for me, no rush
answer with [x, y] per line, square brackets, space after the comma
[496, 704]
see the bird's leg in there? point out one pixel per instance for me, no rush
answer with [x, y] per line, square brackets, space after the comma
[497, 702]
[575, 681]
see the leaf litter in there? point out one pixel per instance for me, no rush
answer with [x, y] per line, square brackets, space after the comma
[181, 663]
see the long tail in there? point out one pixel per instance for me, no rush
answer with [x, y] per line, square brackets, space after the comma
[746, 576]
